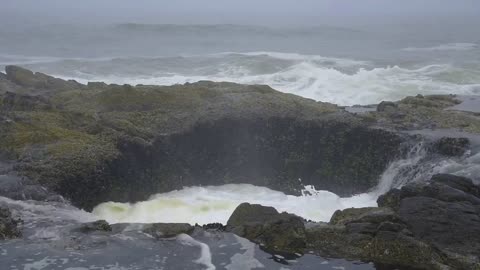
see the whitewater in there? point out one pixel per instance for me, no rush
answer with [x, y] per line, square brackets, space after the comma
[342, 65]
[215, 204]
[336, 80]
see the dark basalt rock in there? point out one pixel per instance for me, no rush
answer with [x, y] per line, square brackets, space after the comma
[445, 214]
[9, 227]
[451, 146]
[276, 232]
[430, 225]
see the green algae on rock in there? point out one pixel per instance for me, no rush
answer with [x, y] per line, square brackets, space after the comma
[94, 143]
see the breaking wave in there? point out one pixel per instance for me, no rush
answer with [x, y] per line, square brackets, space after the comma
[335, 80]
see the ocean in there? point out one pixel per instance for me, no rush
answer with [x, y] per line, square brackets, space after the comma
[354, 65]
[343, 65]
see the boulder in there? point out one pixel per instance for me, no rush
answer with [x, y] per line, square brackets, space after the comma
[9, 227]
[276, 232]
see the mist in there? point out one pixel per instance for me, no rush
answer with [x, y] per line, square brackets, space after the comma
[265, 12]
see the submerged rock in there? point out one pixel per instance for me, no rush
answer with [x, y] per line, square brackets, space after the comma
[96, 226]
[276, 232]
[167, 230]
[9, 227]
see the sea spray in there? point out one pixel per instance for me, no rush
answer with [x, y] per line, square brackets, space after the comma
[341, 81]
[210, 204]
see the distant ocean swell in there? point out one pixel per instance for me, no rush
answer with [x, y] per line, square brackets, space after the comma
[336, 80]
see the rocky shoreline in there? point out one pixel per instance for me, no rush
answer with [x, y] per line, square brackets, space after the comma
[65, 142]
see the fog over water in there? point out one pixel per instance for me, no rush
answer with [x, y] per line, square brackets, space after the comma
[347, 52]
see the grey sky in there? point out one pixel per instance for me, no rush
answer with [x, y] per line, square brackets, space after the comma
[233, 11]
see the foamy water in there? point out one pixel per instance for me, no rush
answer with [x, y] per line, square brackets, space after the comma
[337, 80]
[210, 204]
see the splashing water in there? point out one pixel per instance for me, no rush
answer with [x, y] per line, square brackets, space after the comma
[210, 204]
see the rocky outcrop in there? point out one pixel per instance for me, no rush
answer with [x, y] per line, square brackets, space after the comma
[432, 225]
[275, 232]
[9, 227]
[444, 213]
[94, 143]
[424, 112]
[427, 226]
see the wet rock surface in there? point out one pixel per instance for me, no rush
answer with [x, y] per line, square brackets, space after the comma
[428, 225]
[87, 142]
[277, 232]
[9, 227]
[97, 142]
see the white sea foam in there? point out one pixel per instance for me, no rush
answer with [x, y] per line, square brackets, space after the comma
[205, 253]
[211, 204]
[216, 203]
[339, 81]
[459, 46]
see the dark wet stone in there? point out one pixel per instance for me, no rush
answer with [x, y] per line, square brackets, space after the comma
[451, 146]
[9, 227]
[214, 226]
[278, 232]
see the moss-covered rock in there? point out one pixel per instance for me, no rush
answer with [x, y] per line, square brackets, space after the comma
[425, 112]
[97, 142]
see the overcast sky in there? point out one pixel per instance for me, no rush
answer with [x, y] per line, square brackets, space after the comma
[266, 12]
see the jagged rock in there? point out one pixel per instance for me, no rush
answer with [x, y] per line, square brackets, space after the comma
[430, 225]
[444, 213]
[8, 225]
[167, 230]
[277, 232]
[451, 146]
[214, 226]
